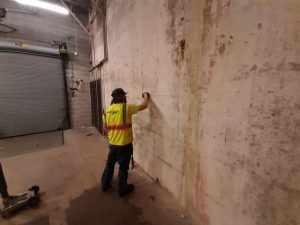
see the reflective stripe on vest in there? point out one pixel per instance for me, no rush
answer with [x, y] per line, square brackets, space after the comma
[119, 127]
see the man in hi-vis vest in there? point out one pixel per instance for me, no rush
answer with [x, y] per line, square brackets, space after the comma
[118, 127]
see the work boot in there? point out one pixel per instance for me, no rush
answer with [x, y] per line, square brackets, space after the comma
[6, 202]
[130, 188]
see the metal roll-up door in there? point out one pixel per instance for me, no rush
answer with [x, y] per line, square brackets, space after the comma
[32, 94]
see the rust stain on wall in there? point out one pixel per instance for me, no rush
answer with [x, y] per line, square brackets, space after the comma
[294, 66]
[206, 19]
[171, 30]
[212, 62]
[178, 52]
[259, 25]
[222, 49]
[228, 3]
[182, 48]
[266, 68]
[253, 68]
[280, 65]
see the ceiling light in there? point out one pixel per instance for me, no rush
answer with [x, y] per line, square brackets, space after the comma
[44, 5]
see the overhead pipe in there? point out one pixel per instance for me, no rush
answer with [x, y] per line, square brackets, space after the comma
[25, 48]
[21, 11]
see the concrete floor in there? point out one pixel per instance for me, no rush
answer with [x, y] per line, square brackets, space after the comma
[69, 180]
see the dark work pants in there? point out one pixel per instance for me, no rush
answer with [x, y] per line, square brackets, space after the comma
[122, 155]
[3, 185]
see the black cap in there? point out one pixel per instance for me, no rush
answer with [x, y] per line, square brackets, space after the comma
[118, 92]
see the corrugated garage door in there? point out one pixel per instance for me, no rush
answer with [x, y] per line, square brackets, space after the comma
[32, 94]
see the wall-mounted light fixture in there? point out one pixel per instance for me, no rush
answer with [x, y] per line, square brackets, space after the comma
[44, 5]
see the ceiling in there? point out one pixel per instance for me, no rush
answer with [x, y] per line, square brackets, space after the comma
[79, 6]
[85, 4]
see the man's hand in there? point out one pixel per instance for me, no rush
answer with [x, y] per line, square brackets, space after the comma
[144, 105]
[146, 95]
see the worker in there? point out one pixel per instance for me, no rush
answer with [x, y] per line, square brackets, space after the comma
[118, 127]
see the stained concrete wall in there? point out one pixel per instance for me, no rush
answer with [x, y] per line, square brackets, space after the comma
[97, 38]
[222, 131]
[41, 27]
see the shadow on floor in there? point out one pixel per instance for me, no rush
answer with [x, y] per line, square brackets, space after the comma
[106, 208]
[41, 221]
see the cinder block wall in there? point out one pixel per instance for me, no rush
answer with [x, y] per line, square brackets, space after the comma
[222, 131]
[41, 29]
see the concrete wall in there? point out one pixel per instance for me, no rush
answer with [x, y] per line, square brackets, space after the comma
[97, 39]
[41, 27]
[222, 131]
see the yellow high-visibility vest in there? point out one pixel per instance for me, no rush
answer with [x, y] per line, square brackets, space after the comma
[119, 131]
